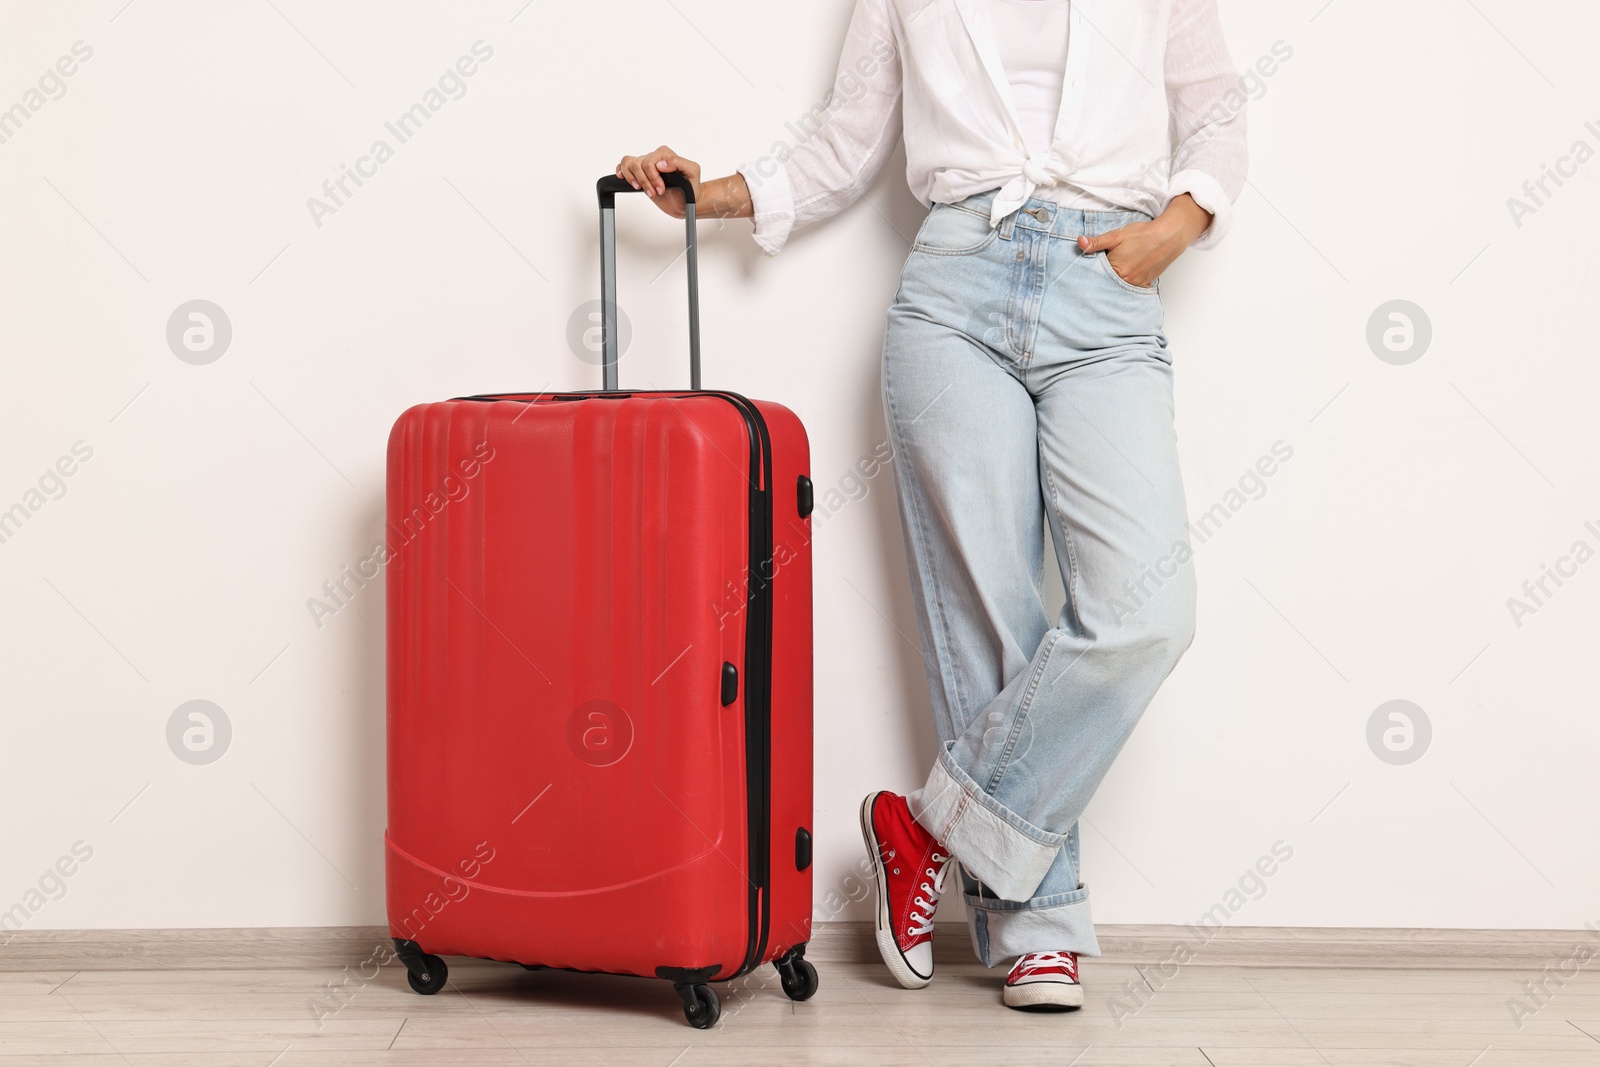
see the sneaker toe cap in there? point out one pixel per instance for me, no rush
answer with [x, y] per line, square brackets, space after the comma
[920, 959]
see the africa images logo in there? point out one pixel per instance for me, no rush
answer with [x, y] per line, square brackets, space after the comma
[342, 590]
[451, 85]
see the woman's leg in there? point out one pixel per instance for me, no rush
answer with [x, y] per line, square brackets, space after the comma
[1115, 504]
[964, 436]
[1019, 767]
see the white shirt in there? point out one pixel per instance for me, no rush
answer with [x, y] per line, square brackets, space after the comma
[932, 70]
[1032, 38]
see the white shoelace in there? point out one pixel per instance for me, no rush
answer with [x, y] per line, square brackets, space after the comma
[922, 921]
[1038, 961]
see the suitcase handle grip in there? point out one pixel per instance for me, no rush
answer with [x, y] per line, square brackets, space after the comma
[607, 189]
[609, 186]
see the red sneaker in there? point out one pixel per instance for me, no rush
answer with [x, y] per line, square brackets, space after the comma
[910, 867]
[1044, 981]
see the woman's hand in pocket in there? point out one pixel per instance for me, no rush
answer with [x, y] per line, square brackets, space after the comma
[1142, 251]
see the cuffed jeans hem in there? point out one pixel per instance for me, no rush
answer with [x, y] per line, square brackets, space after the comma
[1002, 930]
[1005, 852]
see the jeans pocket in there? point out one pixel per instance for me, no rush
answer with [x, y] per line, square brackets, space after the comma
[954, 231]
[1105, 265]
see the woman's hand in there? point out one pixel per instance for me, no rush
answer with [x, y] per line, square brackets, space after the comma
[1142, 251]
[722, 198]
[644, 173]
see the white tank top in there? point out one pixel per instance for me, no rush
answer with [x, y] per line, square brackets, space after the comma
[1032, 38]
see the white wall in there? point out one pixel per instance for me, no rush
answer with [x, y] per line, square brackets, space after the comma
[218, 498]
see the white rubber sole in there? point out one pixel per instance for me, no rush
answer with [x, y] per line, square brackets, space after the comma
[1044, 996]
[888, 948]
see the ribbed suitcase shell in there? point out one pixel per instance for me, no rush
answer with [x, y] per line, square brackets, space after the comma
[569, 578]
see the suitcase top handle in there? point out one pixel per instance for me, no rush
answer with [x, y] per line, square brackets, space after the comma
[608, 188]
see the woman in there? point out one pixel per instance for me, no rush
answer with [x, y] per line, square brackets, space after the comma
[1071, 150]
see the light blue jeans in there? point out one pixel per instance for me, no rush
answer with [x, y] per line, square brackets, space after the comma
[1028, 383]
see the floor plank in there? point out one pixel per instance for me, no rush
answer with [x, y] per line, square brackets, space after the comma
[210, 1010]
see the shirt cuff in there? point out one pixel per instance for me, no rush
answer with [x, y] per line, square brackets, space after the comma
[1208, 193]
[771, 202]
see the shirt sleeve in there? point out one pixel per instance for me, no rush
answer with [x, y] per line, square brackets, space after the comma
[1207, 104]
[830, 156]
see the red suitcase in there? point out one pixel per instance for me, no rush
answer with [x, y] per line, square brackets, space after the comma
[599, 680]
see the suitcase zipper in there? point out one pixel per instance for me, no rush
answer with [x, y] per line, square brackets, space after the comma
[758, 682]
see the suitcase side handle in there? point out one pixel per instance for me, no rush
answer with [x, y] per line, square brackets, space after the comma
[607, 189]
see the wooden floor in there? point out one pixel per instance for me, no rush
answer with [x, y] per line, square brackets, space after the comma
[146, 1007]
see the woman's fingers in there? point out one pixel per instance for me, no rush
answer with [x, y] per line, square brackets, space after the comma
[664, 165]
[630, 171]
[647, 176]
[1128, 257]
[653, 171]
[647, 173]
[642, 173]
[639, 171]
[1104, 242]
[661, 161]
[687, 167]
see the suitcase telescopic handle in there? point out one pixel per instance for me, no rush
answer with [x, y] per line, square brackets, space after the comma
[608, 188]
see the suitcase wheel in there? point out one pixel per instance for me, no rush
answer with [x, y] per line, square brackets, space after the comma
[430, 977]
[426, 973]
[798, 977]
[700, 1005]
